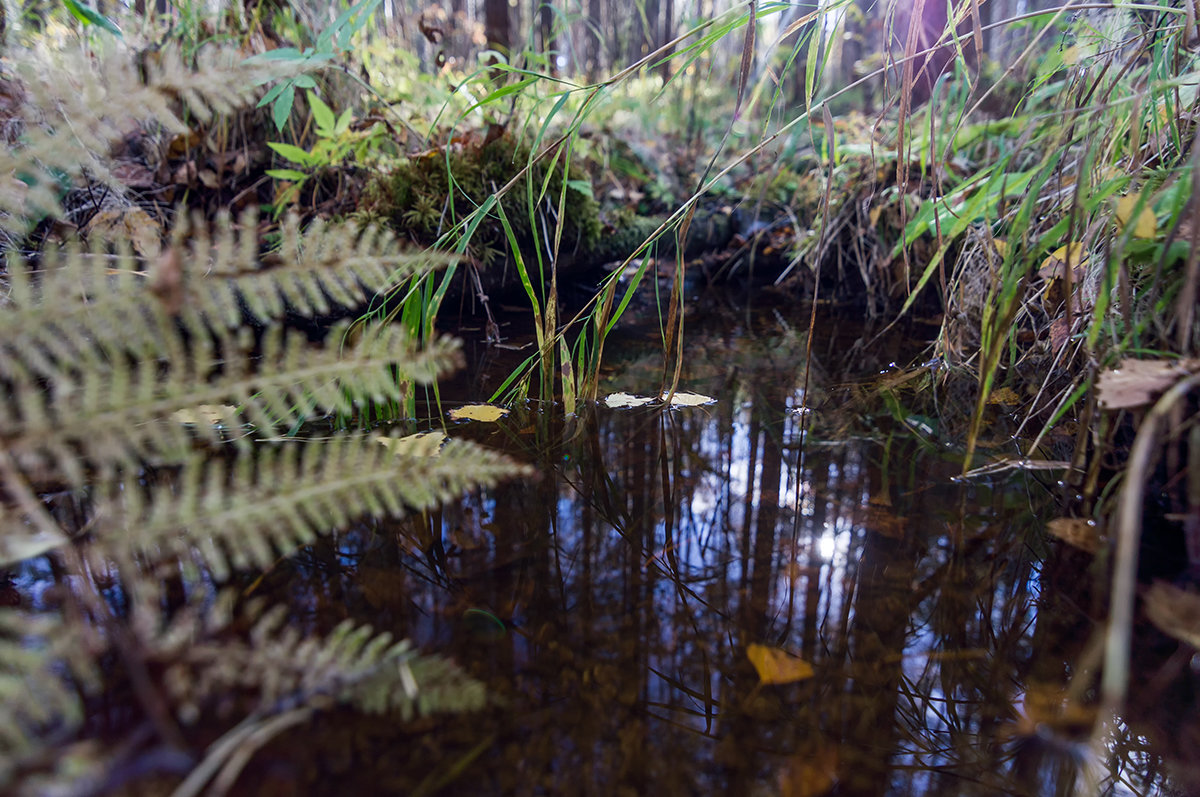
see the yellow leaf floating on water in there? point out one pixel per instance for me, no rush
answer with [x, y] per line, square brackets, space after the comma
[1146, 226]
[626, 400]
[478, 412]
[205, 414]
[775, 666]
[422, 444]
[689, 399]
[1079, 532]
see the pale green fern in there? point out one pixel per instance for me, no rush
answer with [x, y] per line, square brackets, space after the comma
[160, 390]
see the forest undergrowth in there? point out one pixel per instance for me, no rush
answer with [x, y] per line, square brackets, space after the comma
[205, 196]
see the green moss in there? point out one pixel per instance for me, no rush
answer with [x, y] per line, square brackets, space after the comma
[428, 194]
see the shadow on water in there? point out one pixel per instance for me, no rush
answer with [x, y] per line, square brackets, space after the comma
[609, 602]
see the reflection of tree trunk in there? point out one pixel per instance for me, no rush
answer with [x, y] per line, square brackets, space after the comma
[763, 574]
[496, 25]
[545, 21]
[877, 635]
[592, 38]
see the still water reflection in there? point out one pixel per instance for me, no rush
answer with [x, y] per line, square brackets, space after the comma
[609, 602]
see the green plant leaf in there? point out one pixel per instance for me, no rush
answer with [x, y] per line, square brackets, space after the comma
[283, 106]
[278, 54]
[89, 16]
[322, 114]
[287, 174]
[292, 152]
[582, 186]
[271, 94]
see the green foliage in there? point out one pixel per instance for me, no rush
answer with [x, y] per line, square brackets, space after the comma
[160, 391]
[428, 195]
[331, 42]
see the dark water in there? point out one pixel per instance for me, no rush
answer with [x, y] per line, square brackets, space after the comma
[610, 601]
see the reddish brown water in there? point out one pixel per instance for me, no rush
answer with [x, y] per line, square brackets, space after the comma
[609, 602]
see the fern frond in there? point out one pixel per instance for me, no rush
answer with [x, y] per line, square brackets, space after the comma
[323, 267]
[122, 411]
[103, 303]
[77, 107]
[352, 666]
[242, 513]
[43, 662]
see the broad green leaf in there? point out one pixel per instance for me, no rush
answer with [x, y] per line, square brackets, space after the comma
[271, 94]
[283, 106]
[287, 174]
[278, 54]
[322, 115]
[582, 186]
[291, 152]
[89, 16]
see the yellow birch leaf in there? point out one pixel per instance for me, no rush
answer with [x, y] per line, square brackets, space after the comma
[689, 399]
[1146, 226]
[422, 444]
[1079, 532]
[478, 412]
[1069, 253]
[626, 400]
[1004, 396]
[775, 666]
[205, 414]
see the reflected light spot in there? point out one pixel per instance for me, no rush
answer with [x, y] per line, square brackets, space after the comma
[827, 546]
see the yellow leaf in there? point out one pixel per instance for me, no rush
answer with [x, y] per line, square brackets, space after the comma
[1001, 246]
[626, 400]
[1070, 253]
[775, 666]
[478, 412]
[423, 444]
[1077, 531]
[689, 399]
[1146, 225]
[205, 414]
[1004, 396]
